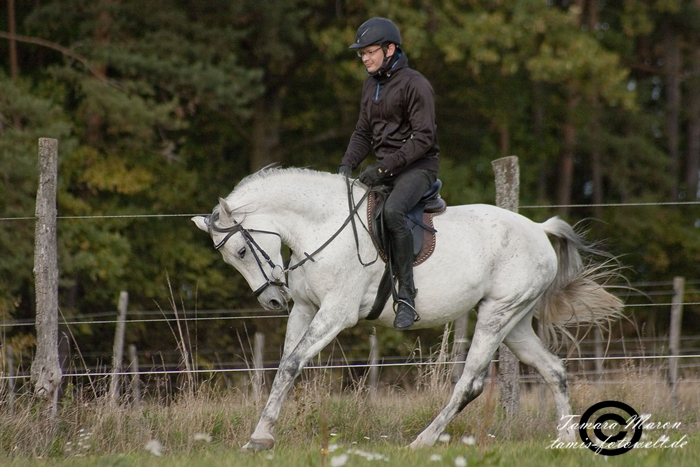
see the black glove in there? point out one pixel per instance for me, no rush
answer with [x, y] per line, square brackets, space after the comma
[345, 171]
[374, 174]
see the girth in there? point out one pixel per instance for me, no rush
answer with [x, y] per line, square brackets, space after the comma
[420, 221]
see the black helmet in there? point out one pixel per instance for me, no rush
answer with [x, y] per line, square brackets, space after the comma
[376, 31]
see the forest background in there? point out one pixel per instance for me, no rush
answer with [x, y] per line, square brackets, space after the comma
[160, 107]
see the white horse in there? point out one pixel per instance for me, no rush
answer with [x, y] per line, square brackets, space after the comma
[500, 262]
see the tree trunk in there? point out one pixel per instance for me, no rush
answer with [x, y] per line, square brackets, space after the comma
[267, 119]
[692, 158]
[538, 122]
[14, 66]
[504, 138]
[12, 27]
[596, 163]
[566, 158]
[94, 121]
[672, 70]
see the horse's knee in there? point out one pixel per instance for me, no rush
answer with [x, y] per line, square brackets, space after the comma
[561, 382]
[557, 377]
[290, 367]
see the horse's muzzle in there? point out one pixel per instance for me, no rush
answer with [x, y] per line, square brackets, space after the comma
[274, 298]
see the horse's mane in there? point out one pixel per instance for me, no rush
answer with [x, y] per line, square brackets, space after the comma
[267, 173]
[272, 171]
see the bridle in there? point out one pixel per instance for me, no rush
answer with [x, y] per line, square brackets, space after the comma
[258, 252]
[254, 248]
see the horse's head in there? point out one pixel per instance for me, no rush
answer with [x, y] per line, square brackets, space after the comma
[254, 252]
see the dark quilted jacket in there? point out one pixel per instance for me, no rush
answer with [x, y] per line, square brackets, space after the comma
[397, 120]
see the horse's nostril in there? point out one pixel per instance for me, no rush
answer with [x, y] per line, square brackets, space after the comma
[275, 304]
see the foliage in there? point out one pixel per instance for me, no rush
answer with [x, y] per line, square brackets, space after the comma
[182, 99]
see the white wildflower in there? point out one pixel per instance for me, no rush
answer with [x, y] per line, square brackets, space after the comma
[435, 457]
[333, 447]
[444, 438]
[154, 447]
[469, 440]
[339, 461]
[460, 461]
[370, 456]
[202, 437]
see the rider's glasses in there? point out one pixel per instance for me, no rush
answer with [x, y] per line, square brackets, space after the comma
[369, 53]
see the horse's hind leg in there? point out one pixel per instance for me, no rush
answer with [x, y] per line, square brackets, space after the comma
[530, 350]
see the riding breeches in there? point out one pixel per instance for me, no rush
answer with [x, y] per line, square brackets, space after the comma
[407, 190]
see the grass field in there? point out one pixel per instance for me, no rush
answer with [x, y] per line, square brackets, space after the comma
[494, 453]
[323, 426]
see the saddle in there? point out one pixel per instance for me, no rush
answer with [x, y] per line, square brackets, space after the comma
[420, 221]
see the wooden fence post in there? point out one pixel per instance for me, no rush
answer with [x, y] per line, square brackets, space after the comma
[118, 348]
[507, 174]
[46, 370]
[10, 356]
[373, 362]
[675, 337]
[459, 346]
[599, 352]
[258, 365]
[135, 381]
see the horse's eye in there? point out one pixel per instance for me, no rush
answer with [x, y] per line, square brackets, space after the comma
[241, 253]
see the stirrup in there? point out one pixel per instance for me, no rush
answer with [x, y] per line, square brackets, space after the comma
[416, 316]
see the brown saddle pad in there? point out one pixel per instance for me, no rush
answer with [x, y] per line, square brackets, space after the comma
[421, 236]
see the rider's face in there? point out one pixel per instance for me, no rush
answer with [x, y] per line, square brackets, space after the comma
[373, 56]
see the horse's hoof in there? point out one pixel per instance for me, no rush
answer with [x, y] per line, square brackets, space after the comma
[568, 435]
[257, 445]
[416, 444]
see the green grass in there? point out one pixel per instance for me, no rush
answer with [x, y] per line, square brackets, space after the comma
[492, 453]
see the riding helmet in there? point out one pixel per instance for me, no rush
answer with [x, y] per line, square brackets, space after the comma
[376, 31]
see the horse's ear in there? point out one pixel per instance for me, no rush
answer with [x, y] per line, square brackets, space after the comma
[202, 222]
[226, 213]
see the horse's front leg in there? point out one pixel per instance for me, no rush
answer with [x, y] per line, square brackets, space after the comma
[324, 327]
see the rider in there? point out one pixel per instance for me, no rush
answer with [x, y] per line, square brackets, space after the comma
[397, 120]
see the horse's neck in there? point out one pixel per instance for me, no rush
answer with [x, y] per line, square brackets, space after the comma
[303, 212]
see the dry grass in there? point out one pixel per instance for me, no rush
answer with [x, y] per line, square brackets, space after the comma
[325, 406]
[316, 409]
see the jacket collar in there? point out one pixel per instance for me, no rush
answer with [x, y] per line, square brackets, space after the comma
[395, 63]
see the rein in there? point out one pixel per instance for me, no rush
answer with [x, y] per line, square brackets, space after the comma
[253, 245]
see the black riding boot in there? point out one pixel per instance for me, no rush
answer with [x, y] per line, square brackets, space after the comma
[402, 255]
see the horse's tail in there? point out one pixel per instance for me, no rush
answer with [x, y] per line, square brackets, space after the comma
[578, 295]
